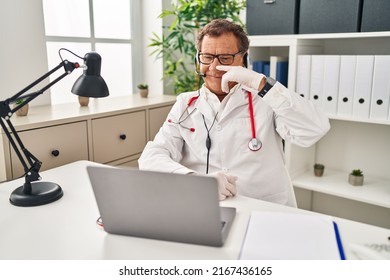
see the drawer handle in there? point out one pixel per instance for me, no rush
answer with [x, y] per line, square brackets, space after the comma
[122, 136]
[55, 153]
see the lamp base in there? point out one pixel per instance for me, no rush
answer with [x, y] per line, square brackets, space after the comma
[41, 193]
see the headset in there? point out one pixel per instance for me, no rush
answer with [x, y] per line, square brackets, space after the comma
[197, 66]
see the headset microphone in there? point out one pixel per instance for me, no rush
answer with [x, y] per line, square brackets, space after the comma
[203, 75]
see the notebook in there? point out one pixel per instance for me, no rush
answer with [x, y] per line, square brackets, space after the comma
[291, 236]
[165, 206]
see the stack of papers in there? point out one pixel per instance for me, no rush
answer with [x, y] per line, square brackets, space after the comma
[289, 236]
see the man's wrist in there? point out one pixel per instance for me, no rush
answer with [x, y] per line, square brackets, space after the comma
[267, 83]
[262, 83]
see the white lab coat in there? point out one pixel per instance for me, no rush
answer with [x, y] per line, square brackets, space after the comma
[262, 174]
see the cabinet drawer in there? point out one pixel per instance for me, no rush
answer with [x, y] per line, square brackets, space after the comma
[118, 136]
[157, 116]
[54, 146]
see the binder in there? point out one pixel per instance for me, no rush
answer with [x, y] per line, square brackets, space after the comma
[380, 88]
[282, 72]
[279, 69]
[330, 84]
[266, 69]
[303, 75]
[363, 83]
[316, 79]
[346, 85]
[260, 66]
[291, 236]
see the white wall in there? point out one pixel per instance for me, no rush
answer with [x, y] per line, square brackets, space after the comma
[153, 68]
[22, 49]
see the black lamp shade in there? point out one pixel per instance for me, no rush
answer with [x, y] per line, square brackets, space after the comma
[90, 83]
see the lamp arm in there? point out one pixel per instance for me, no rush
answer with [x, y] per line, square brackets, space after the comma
[31, 164]
[27, 98]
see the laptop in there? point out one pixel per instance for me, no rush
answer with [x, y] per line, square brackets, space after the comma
[164, 206]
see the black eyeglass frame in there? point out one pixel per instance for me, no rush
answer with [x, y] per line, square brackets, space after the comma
[217, 56]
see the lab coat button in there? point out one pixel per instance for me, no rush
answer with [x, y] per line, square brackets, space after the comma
[218, 127]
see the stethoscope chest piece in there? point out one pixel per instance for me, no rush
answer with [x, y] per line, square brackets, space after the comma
[254, 144]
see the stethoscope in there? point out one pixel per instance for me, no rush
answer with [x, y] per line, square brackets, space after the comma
[254, 143]
[181, 120]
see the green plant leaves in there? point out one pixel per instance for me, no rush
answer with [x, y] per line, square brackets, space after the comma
[177, 46]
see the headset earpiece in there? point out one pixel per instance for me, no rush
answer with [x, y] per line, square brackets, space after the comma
[197, 58]
[245, 60]
[197, 65]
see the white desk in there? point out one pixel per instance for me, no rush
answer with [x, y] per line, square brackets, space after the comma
[66, 229]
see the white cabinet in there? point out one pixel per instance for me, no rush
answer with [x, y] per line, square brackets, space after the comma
[155, 120]
[54, 146]
[350, 144]
[112, 131]
[118, 136]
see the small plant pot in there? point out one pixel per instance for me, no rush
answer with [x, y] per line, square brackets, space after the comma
[22, 111]
[144, 93]
[319, 170]
[83, 100]
[355, 180]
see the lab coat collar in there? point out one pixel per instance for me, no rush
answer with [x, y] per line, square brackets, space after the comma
[235, 99]
[208, 104]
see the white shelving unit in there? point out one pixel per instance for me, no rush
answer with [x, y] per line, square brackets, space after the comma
[335, 183]
[350, 144]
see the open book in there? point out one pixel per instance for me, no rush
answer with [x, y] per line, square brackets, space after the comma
[291, 236]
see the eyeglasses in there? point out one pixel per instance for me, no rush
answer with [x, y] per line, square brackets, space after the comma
[224, 59]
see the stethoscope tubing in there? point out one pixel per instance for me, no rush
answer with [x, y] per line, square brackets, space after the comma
[254, 143]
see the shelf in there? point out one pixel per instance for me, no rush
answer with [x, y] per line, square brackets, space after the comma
[352, 119]
[350, 142]
[375, 191]
[285, 39]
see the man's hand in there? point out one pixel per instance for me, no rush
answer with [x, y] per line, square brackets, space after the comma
[240, 75]
[226, 184]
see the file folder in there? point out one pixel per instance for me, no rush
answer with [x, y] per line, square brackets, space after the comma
[261, 66]
[380, 88]
[279, 69]
[282, 72]
[303, 75]
[266, 69]
[330, 84]
[363, 83]
[346, 85]
[291, 236]
[316, 79]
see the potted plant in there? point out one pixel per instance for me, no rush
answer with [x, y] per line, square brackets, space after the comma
[177, 45]
[23, 111]
[319, 169]
[356, 177]
[83, 100]
[143, 90]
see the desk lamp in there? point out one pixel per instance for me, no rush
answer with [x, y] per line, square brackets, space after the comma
[89, 84]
